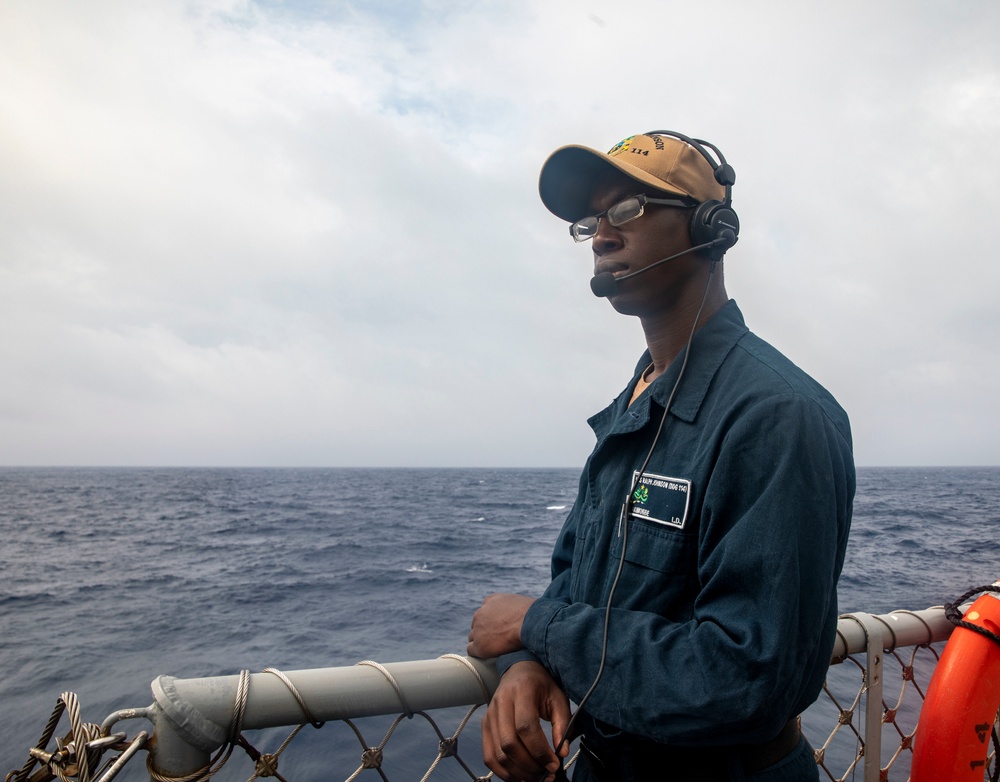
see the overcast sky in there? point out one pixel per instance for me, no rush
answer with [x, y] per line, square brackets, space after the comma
[308, 233]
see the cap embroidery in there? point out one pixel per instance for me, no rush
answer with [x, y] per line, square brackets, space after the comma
[621, 146]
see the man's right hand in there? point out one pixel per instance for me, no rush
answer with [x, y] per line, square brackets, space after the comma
[514, 744]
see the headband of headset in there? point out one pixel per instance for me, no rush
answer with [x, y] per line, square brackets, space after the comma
[713, 220]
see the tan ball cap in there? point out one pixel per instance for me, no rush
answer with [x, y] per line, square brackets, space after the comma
[663, 163]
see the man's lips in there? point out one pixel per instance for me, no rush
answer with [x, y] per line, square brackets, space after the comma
[615, 268]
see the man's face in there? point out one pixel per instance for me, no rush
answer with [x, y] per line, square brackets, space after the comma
[660, 232]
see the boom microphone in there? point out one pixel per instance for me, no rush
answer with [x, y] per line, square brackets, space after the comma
[605, 284]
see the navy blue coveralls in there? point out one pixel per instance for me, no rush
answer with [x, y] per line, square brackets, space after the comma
[724, 619]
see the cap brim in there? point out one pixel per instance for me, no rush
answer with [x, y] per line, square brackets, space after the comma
[568, 176]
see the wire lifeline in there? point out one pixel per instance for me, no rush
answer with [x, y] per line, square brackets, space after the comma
[85, 744]
[399, 693]
[82, 748]
[295, 694]
[266, 764]
[479, 679]
[50, 727]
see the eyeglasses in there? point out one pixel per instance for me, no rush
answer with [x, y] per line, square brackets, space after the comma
[624, 211]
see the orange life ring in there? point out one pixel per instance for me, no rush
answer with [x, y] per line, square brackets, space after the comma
[953, 734]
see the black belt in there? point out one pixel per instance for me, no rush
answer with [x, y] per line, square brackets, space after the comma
[698, 764]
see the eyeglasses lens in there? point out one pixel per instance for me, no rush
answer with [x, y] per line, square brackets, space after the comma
[623, 211]
[584, 229]
[619, 214]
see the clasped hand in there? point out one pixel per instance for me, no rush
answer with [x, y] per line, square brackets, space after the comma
[515, 747]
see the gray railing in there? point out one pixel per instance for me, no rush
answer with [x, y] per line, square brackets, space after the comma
[861, 727]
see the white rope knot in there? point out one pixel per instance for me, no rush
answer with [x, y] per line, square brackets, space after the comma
[371, 758]
[295, 694]
[267, 766]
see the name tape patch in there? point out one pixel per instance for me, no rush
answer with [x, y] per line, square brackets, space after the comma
[661, 499]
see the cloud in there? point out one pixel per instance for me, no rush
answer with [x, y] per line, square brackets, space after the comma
[297, 233]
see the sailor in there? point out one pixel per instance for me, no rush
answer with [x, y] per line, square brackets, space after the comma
[693, 603]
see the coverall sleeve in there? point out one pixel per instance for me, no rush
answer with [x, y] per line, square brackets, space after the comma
[559, 586]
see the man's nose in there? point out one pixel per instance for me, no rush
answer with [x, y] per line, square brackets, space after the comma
[607, 238]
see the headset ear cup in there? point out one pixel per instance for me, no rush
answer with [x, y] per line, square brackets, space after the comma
[701, 222]
[711, 221]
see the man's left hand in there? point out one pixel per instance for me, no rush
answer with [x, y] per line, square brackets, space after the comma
[496, 626]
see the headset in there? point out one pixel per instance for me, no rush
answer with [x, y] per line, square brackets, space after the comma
[714, 222]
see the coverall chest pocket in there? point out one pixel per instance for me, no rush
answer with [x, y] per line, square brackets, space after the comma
[656, 547]
[660, 567]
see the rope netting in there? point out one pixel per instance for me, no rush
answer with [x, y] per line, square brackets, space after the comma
[861, 715]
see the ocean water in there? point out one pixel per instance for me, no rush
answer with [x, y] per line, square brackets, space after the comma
[112, 577]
